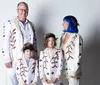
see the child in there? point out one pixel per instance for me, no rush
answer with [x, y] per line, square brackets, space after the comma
[27, 70]
[50, 62]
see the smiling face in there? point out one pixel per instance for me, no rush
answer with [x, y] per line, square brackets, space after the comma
[51, 42]
[28, 53]
[65, 25]
[22, 11]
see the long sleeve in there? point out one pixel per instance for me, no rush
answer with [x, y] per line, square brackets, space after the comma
[36, 73]
[35, 44]
[34, 40]
[19, 78]
[80, 46]
[19, 72]
[6, 46]
[60, 66]
[41, 71]
[78, 53]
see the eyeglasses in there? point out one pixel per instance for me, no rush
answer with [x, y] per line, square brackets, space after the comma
[25, 10]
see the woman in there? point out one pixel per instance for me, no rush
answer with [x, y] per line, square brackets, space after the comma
[50, 62]
[71, 44]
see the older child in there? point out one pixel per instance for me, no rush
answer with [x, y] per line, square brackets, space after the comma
[50, 62]
[27, 70]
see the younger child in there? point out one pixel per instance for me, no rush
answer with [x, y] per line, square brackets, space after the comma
[27, 70]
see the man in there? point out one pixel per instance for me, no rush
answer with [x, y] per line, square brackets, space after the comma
[17, 32]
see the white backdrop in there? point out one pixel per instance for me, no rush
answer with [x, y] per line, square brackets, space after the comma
[47, 17]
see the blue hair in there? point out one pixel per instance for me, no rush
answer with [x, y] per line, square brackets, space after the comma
[72, 24]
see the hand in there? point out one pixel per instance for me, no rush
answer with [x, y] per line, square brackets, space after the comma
[25, 83]
[54, 80]
[31, 84]
[8, 64]
[45, 80]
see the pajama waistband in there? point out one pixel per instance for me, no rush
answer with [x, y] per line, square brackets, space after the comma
[72, 76]
[49, 80]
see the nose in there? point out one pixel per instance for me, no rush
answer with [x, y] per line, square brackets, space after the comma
[62, 24]
[24, 11]
[29, 53]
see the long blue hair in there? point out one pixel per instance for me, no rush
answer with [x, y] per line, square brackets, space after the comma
[72, 24]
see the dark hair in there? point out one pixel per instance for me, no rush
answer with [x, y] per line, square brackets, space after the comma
[47, 36]
[28, 46]
[24, 4]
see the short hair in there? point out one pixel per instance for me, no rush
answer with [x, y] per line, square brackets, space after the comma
[24, 4]
[47, 36]
[28, 46]
[72, 24]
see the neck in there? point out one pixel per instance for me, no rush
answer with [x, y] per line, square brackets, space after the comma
[22, 20]
[68, 33]
[51, 48]
[27, 58]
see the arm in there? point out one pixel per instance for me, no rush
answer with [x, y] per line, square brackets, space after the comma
[59, 70]
[34, 40]
[18, 73]
[41, 70]
[6, 48]
[35, 44]
[78, 54]
[36, 74]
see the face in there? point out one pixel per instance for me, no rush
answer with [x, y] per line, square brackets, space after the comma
[65, 24]
[51, 42]
[28, 53]
[22, 12]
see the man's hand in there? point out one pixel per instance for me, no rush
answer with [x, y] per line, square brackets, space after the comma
[8, 64]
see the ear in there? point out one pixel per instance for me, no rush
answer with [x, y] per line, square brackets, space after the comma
[27, 13]
[17, 10]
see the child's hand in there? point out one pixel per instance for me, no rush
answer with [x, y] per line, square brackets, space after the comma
[24, 84]
[31, 84]
[54, 80]
[45, 80]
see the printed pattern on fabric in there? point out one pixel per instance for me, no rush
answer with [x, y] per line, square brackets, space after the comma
[26, 73]
[72, 56]
[70, 47]
[50, 68]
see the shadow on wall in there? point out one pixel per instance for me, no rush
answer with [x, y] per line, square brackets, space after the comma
[41, 31]
[91, 60]
[41, 25]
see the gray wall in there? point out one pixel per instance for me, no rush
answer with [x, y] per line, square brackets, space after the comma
[47, 17]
